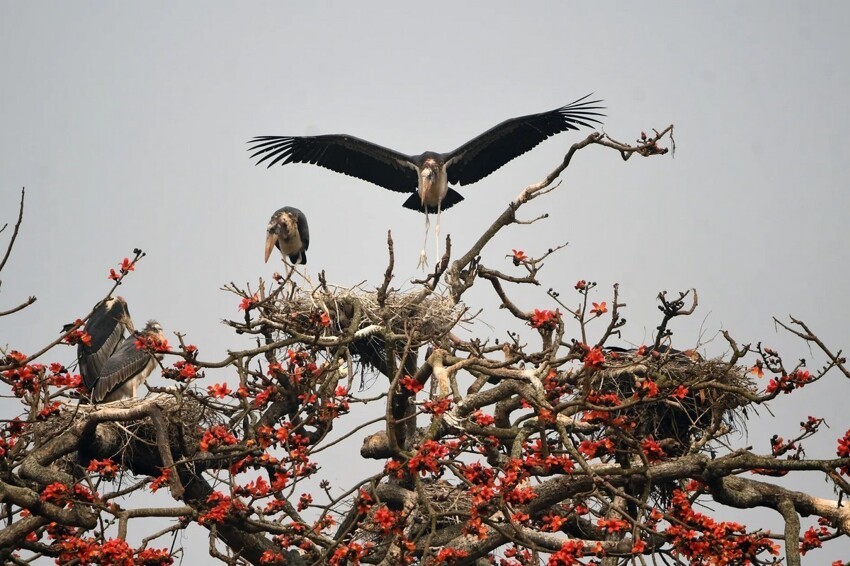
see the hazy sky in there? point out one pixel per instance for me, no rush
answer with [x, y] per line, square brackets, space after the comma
[128, 125]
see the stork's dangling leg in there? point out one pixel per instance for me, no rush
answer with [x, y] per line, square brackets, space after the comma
[423, 257]
[437, 231]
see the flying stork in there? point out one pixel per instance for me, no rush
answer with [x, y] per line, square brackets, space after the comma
[127, 368]
[106, 326]
[429, 174]
[288, 232]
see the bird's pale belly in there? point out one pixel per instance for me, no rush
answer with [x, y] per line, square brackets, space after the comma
[433, 193]
[289, 246]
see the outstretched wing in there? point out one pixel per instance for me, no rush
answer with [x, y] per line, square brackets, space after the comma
[482, 155]
[341, 153]
[106, 327]
[128, 366]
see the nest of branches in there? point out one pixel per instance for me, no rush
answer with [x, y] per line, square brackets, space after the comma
[396, 312]
[707, 401]
[448, 504]
[132, 442]
[379, 328]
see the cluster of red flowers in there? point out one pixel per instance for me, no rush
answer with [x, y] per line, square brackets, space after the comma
[24, 378]
[788, 383]
[594, 357]
[545, 319]
[410, 384]
[349, 554]
[216, 436]
[427, 458]
[183, 371]
[124, 267]
[115, 552]
[222, 506]
[844, 451]
[705, 541]
[152, 344]
[77, 335]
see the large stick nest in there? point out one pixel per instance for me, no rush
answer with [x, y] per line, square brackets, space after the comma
[133, 442]
[716, 394]
[376, 334]
[427, 314]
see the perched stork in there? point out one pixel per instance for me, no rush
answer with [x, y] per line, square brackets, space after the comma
[107, 325]
[127, 368]
[288, 232]
[429, 174]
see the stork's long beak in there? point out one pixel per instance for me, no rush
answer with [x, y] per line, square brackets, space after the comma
[271, 240]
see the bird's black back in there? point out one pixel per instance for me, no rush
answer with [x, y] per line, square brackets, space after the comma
[106, 328]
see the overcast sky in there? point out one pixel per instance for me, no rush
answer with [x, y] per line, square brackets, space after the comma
[127, 123]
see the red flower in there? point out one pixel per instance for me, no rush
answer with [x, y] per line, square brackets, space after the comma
[107, 469]
[757, 370]
[426, 459]
[116, 551]
[647, 388]
[599, 308]
[437, 407]
[412, 385]
[55, 493]
[49, 411]
[451, 555]
[216, 436]
[154, 557]
[613, 525]
[594, 357]
[248, 303]
[125, 267]
[271, 557]
[581, 285]
[161, 480]
[482, 419]
[219, 390]
[304, 501]
[651, 449]
[519, 257]
[680, 392]
[545, 319]
[385, 519]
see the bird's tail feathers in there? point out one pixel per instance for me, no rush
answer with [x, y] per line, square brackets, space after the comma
[415, 203]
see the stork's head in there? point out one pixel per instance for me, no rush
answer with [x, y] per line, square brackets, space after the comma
[427, 179]
[282, 227]
[153, 329]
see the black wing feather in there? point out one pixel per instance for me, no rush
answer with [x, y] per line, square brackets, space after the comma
[126, 363]
[341, 153]
[106, 327]
[486, 153]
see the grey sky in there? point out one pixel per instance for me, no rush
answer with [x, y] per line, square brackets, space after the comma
[127, 124]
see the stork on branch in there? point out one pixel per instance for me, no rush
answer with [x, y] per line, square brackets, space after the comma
[111, 365]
